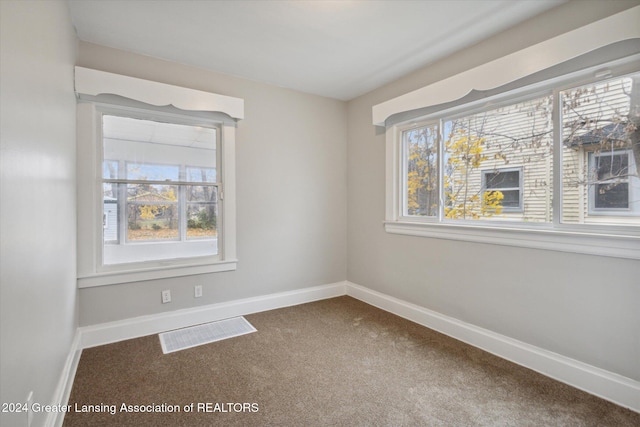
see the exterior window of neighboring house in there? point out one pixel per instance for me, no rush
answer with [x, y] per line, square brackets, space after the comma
[613, 185]
[508, 182]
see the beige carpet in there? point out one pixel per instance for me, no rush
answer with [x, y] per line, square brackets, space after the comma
[337, 362]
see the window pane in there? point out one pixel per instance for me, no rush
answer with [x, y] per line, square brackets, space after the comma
[612, 196]
[152, 212]
[202, 220]
[158, 194]
[110, 191]
[421, 153]
[151, 222]
[515, 136]
[511, 198]
[202, 193]
[202, 216]
[146, 221]
[140, 172]
[600, 144]
[110, 169]
[147, 145]
[155, 132]
[201, 175]
[508, 179]
[611, 166]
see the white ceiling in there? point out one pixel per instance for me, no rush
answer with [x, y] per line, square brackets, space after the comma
[338, 49]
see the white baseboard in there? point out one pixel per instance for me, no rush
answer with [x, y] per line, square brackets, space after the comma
[620, 390]
[110, 332]
[63, 390]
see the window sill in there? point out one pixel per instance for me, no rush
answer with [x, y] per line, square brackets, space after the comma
[119, 277]
[617, 246]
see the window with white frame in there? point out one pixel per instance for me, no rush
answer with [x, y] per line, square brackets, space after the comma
[562, 157]
[156, 185]
[162, 177]
[483, 157]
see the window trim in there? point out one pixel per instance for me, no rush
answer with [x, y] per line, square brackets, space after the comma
[618, 246]
[91, 272]
[619, 241]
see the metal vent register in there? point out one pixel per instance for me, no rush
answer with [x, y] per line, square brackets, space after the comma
[181, 339]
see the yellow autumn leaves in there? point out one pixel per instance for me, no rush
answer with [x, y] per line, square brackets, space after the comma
[422, 172]
[464, 198]
[464, 157]
[151, 211]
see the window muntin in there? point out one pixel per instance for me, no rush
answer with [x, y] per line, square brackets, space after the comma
[518, 139]
[162, 178]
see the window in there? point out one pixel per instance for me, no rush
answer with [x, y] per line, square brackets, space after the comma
[505, 186]
[559, 157]
[485, 157]
[613, 184]
[161, 180]
[156, 185]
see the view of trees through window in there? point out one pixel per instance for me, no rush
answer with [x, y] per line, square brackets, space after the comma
[421, 146]
[498, 164]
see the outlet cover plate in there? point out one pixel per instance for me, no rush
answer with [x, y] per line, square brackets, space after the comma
[166, 296]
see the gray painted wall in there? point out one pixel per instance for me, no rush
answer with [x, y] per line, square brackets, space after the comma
[580, 306]
[291, 192]
[38, 244]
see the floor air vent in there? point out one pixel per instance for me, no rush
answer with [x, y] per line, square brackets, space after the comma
[181, 339]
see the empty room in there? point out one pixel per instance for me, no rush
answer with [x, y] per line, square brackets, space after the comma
[310, 213]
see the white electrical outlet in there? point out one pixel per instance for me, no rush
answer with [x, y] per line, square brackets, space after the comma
[166, 296]
[29, 411]
[197, 291]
